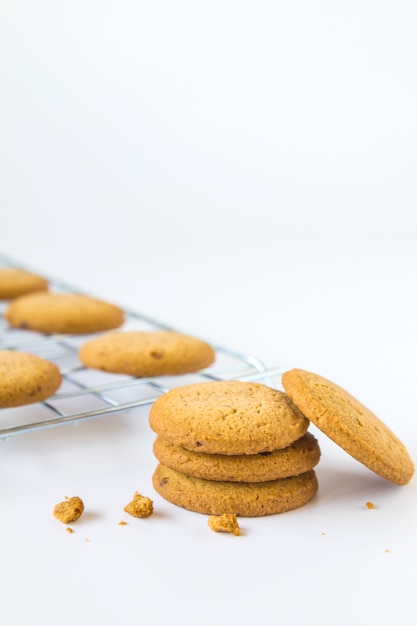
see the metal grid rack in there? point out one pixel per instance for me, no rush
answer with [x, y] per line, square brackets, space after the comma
[86, 393]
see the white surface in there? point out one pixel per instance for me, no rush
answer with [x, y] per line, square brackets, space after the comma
[245, 172]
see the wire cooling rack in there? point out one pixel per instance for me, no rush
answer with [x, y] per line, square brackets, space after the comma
[88, 394]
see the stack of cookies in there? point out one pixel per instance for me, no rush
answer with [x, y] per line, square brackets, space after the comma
[233, 447]
[243, 448]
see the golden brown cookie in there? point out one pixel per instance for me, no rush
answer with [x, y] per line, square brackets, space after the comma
[139, 353]
[63, 313]
[227, 417]
[350, 424]
[299, 457]
[15, 282]
[26, 378]
[246, 499]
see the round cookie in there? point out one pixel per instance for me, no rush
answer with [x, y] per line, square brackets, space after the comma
[301, 456]
[246, 499]
[48, 312]
[26, 378]
[349, 424]
[139, 353]
[15, 282]
[227, 417]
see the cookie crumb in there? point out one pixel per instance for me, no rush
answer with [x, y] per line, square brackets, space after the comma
[386, 550]
[122, 523]
[323, 534]
[69, 530]
[69, 510]
[226, 523]
[139, 506]
[370, 505]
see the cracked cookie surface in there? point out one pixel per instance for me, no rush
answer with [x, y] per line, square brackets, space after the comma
[66, 313]
[350, 424]
[26, 378]
[227, 417]
[140, 353]
[245, 499]
[299, 457]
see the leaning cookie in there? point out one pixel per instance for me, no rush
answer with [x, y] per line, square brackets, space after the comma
[227, 417]
[301, 456]
[49, 313]
[349, 424]
[246, 499]
[15, 282]
[139, 353]
[26, 378]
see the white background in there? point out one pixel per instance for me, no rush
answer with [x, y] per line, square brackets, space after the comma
[246, 172]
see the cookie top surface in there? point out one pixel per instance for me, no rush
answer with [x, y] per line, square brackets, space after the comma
[299, 457]
[349, 424]
[16, 282]
[139, 353]
[26, 378]
[246, 499]
[48, 312]
[227, 417]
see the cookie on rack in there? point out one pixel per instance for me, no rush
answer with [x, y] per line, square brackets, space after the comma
[227, 417]
[301, 456]
[15, 282]
[140, 353]
[26, 378]
[350, 424]
[66, 313]
[246, 499]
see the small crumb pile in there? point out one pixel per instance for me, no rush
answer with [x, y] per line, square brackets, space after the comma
[69, 510]
[139, 506]
[226, 523]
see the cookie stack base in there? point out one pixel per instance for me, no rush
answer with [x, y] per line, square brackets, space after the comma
[211, 497]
